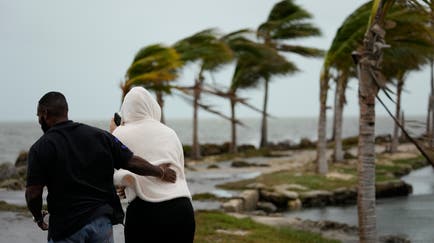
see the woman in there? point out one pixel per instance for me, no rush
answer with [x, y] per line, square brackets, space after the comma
[157, 211]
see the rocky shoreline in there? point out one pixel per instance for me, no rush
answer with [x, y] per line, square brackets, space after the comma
[264, 203]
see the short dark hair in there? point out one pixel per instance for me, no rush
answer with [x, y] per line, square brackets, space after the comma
[54, 103]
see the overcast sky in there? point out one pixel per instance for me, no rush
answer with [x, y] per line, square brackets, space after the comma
[83, 48]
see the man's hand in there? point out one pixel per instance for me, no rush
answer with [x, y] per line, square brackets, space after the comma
[120, 190]
[40, 222]
[112, 125]
[167, 174]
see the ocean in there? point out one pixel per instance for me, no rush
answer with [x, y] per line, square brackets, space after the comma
[19, 136]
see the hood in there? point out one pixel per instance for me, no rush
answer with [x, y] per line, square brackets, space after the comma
[138, 105]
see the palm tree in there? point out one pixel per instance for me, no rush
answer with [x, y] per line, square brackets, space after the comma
[206, 48]
[286, 21]
[338, 57]
[368, 61]
[153, 67]
[245, 51]
[254, 61]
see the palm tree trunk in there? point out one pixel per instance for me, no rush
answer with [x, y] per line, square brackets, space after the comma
[431, 105]
[334, 112]
[341, 87]
[160, 101]
[395, 137]
[366, 164]
[322, 165]
[263, 143]
[195, 153]
[233, 148]
[428, 117]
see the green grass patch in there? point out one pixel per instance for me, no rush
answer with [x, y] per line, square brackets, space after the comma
[308, 179]
[208, 225]
[314, 181]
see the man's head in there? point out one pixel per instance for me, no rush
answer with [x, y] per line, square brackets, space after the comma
[52, 109]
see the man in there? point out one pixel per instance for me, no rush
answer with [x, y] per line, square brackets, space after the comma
[76, 162]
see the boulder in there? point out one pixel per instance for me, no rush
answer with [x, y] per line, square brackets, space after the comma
[316, 198]
[233, 205]
[294, 204]
[344, 196]
[240, 164]
[392, 189]
[267, 207]
[278, 199]
[13, 184]
[250, 198]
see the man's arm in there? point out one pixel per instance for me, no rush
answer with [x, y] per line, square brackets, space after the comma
[34, 203]
[142, 167]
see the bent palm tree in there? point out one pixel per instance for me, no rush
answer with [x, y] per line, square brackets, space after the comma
[286, 21]
[153, 67]
[206, 48]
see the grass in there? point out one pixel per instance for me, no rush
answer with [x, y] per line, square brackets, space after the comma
[209, 227]
[314, 181]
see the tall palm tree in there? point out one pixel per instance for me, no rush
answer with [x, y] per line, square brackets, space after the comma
[407, 33]
[368, 65]
[286, 21]
[245, 51]
[254, 61]
[211, 53]
[153, 67]
[338, 58]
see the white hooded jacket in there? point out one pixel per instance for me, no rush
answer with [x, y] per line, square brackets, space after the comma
[144, 134]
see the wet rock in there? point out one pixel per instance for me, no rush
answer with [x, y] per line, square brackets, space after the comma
[278, 199]
[392, 189]
[294, 204]
[240, 164]
[268, 207]
[344, 196]
[394, 239]
[250, 198]
[234, 205]
[13, 184]
[213, 166]
[316, 198]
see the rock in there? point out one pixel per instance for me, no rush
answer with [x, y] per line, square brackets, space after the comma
[268, 207]
[210, 149]
[234, 205]
[21, 159]
[294, 204]
[13, 184]
[278, 199]
[394, 239]
[213, 166]
[344, 196]
[246, 147]
[392, 189]
[240, 164]
[7, 170]
[250, 198]
[291, 195]
[316, 198]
